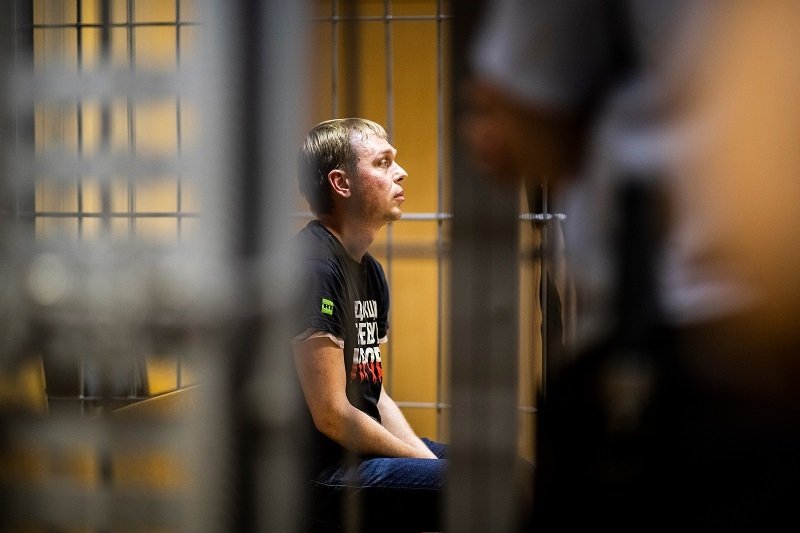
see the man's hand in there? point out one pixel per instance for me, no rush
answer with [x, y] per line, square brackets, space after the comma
[393, 420]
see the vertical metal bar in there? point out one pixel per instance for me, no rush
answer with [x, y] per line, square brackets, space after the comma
[24, 117]
[351, 68]
[82, 374]
[178, 126]
[215, 72]
[284, 47]
[389, 62]
[105, 115]
[79, 108]
[334, 58]
[7, 36]
[484, 337]
[266, 46]
[8, 45]
[440, 303]
[389, 56]
[543, 284]
[179, 184]
[130, 18]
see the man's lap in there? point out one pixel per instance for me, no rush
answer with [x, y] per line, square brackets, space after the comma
[390, 473]
[382, 494]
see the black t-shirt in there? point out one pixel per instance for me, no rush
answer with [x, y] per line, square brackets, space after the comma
[349, 300]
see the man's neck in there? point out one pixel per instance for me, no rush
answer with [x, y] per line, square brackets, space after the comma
[355, 238]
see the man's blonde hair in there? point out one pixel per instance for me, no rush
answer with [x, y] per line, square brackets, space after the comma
[329, 146]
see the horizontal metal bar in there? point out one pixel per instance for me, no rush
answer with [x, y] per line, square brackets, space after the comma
[355, 18]
[381, 18]
[98, 25]
[166, 214]
[116, 214]
[434, 405]
[90, 398]
[65, 167]
[427, 216]
[423, 405]
[543, 217]
[108, 83]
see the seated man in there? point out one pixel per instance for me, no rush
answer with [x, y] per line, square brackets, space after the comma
[366, 457]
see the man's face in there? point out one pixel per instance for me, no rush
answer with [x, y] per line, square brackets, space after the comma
[377, 181]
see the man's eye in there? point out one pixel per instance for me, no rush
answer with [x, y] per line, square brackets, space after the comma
[385, 162]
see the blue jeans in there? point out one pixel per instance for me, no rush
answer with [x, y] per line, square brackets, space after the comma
[381, 494]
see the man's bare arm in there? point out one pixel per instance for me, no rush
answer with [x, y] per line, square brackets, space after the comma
[393, 420]
[320, 365]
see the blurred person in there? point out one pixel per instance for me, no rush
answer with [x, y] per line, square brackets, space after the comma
[365, 452]
[667, 131]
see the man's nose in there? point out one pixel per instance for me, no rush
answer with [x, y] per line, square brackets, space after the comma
[401, 174]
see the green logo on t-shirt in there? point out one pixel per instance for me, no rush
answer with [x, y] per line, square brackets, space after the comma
[327, 307]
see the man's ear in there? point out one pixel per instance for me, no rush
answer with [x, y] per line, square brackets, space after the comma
[339, 183]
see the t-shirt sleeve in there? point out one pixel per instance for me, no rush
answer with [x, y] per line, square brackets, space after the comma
[320, 300]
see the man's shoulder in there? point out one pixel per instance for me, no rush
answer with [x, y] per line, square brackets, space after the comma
[312, 231]
[313, 242]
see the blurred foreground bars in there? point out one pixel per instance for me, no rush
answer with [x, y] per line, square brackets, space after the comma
[131, 323]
